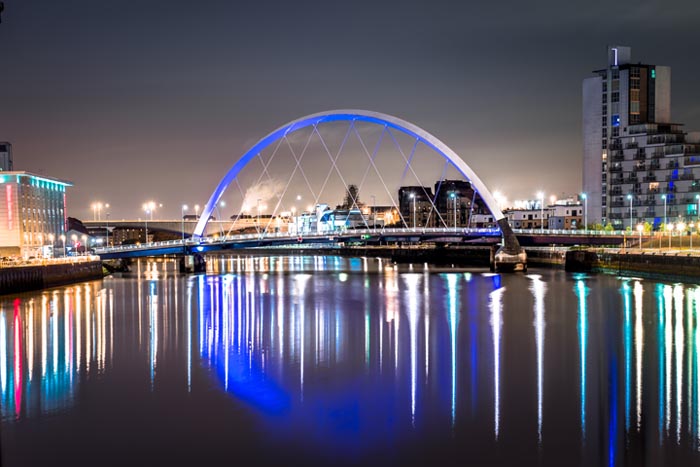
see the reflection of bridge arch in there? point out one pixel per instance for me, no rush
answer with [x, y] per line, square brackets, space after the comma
[377, 118]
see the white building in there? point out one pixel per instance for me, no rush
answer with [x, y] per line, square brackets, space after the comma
[32, 213]
[620, 95]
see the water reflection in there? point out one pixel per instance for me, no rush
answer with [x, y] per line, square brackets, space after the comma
[361, 354]
[46, 342]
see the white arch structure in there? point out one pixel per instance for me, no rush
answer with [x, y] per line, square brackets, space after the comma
[363, 116]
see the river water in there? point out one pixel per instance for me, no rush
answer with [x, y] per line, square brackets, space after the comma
[341, 361]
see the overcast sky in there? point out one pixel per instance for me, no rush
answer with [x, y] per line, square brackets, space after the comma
[136, 100]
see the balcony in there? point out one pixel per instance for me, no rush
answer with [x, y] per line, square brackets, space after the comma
[654, 165]
[687, 176]
[692, 160]
[615, 168]
[631, 180]
[672, 165]
[631, 145]
[640, 155]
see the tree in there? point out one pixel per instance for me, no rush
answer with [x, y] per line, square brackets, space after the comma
[352, 197]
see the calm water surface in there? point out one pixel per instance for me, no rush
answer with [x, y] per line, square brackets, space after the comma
[332, 361]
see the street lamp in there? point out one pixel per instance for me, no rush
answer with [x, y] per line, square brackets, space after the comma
[640, 227]
[374, 215]
[52, 237]
[84, 239]
[74, 237]
[681, 229]
[630, 197]
[690, 232]
[540, 195]
[413, 197]
[63, 239]
[665, 218]
[145, 220]
[182, 217]
[107, 230]
[585, 211]
[669, 227]
[453, 195]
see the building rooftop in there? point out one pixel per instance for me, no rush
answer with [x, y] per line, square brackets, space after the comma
[40, 180]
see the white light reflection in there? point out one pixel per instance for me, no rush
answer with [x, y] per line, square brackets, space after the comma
[453, 321]
[300, 284]
[412, 283]
[496, 307]
[680, 342]
[627, 343]
[538, 289]
[668, 341]
[638, 347]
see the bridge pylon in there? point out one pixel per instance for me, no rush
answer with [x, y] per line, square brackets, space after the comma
[511, 256]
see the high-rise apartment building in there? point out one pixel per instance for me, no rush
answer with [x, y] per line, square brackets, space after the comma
[622, 95]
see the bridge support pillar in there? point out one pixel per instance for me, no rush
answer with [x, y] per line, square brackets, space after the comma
[511, 256]
[190, 264]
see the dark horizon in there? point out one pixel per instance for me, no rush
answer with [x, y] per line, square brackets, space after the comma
[134, 102]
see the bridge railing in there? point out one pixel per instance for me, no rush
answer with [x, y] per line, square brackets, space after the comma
[306, 235]
[333, 235]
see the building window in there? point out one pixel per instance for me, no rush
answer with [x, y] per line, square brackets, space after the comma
[615, 97]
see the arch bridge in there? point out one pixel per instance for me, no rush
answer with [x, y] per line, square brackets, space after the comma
[509, 256]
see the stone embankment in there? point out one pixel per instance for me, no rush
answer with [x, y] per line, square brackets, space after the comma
[45, 274]
[651, 263]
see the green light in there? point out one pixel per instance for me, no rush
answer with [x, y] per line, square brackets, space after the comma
[653, 74]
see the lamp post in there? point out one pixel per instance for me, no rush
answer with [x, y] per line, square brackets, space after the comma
[51, 239]
[107, 231]
[74, 237]
[584, 196]
[630, 197]
[540, 195]
[453, 196]
[665, 205]
[413, 198]
[640, 227]
[145, 220]
[63, 239]
[681, 229]
[690, 232]
[669, 227]
[85, 245]
[374, 215]
[183, 208]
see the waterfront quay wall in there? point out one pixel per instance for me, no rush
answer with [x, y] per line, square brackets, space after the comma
[651, 264]
[26, 278]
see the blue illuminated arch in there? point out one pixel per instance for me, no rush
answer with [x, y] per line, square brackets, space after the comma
[351, 115]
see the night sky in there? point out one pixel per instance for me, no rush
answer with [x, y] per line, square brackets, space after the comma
[137, 100]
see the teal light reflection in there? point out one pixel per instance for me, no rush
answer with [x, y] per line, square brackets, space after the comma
[581, 292]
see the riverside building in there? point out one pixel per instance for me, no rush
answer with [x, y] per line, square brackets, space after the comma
[617, 104]
[32, 214]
